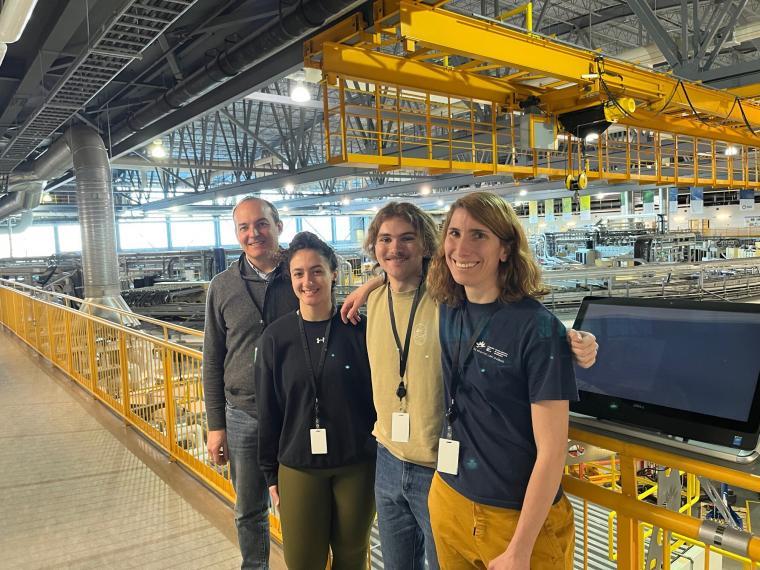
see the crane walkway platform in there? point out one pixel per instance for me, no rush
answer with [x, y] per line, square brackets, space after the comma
[79, 489]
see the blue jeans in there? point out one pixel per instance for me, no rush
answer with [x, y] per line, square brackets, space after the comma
[401, 497]
[252, 504]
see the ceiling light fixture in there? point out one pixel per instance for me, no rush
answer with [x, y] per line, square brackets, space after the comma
[156, 149]
[289, 188]
[425, 190]
[731, 151]
[523, 192]
[300, 93]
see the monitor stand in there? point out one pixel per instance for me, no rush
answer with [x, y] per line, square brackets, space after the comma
[741, 456]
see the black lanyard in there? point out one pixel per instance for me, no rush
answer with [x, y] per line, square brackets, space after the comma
[403, 353]
[458, 365]
[315, 376]
[248, 288]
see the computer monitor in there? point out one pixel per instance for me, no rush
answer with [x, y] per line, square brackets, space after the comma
[679, 367]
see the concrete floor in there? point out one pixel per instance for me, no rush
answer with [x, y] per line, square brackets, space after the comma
[80, 490]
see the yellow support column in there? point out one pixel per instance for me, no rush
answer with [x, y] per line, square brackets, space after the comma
[67, 325]
[627, 528]
[124, 369]
[342, 102]
[171, 425]
[92, 355]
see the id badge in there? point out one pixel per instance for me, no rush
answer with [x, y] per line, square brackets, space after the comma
[318, 441]
[400, 427]
[448, 456]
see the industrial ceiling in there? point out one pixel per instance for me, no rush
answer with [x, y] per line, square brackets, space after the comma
[212, 81]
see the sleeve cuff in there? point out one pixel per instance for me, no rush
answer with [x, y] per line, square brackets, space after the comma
[216, 421]
[271, 477]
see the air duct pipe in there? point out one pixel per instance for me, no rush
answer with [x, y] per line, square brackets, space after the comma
[25, 197]
[306, 17]
[84, 148]
[13, 19]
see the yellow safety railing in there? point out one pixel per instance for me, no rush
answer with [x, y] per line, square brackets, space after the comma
[636, 517]
[168, 330]
[155, 386]
[390, 127]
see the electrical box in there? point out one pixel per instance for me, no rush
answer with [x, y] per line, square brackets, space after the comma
[538, 132]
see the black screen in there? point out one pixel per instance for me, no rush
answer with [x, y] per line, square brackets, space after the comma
[699, 361]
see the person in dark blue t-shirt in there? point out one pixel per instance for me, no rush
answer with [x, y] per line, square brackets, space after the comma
[496, 500]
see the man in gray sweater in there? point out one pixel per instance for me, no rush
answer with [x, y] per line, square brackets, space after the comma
[241, 302]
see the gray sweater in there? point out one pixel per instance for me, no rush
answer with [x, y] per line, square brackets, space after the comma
[233, 325]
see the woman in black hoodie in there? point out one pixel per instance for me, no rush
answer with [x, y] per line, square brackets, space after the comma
[314, 400]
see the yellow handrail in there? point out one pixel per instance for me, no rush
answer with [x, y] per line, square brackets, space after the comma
[67, 299]
[527, 8]
[635, 518]
[152, 383]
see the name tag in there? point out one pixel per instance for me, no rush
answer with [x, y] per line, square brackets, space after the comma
[448, 456]
[318, 441]
[400, 427]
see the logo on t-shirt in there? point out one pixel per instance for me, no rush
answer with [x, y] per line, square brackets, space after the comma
[493, 353]
[420, 334]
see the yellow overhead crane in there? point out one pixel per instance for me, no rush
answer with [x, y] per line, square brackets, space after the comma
[428, 88]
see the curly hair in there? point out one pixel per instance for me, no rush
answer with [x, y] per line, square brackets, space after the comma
[423, 225]
[308, 240]
[519, 276]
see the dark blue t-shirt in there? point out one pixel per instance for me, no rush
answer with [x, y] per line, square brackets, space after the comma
[522, 357]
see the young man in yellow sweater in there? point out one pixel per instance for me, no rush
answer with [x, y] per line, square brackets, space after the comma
[407, 380]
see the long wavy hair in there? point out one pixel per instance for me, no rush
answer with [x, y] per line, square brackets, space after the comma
[519, 276]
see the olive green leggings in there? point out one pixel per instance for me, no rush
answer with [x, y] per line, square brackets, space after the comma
[327, 508]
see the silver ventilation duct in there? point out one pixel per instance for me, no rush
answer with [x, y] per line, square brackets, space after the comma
[83, 147]
[26, 196]
[100, 264]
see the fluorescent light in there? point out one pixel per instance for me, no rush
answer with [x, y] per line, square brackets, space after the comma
[289, 188]
[592, 137]
[523, 192]
[300, 94]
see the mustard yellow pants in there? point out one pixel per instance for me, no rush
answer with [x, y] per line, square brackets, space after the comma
[469, 535]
